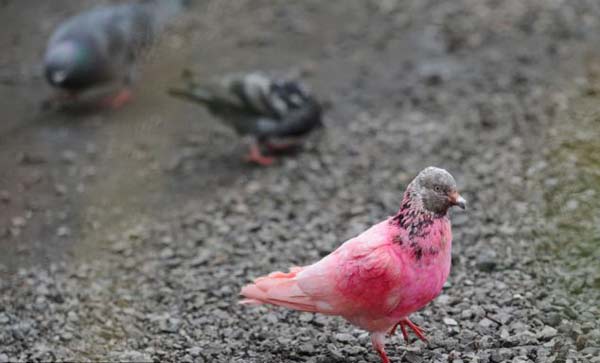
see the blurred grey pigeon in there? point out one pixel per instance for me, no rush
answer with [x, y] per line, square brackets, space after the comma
[101, 46]
[274, 112]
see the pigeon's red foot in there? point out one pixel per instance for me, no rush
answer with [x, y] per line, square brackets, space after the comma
[378, 341]
[384, 357]
[256, 156]
[118, 100]
[414, 327]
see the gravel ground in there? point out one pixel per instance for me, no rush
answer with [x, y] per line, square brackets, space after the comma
[496, 92]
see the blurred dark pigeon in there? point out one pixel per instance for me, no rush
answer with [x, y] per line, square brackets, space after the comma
[101, 46]
[275, 113]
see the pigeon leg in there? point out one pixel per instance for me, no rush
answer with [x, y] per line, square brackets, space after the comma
[118, 100]
[378, 340]
[59, 100]
[404, 333]
[131, 75]
[280, 146]
[256, 156]
[414, 327]
[403, 329]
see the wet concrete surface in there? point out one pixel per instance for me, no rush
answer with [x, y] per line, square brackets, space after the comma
[127, 233]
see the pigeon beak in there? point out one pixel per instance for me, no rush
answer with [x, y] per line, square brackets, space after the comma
[59, 76]
[457, 200]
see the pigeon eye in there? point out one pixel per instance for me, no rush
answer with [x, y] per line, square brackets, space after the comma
[437, 188]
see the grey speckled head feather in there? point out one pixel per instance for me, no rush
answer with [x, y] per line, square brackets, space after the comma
[433, 191]
[428, 197]
[436, 190]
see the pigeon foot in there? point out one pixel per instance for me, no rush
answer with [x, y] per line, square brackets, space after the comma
[414, 327]
[256, 156]
[378, 341]
[118, 100]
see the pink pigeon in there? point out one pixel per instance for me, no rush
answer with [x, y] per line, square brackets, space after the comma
[377, 279]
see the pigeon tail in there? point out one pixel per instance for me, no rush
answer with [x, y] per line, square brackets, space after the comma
[279, 288]
[197, 95]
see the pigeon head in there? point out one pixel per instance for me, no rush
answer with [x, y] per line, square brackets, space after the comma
[67, 62]
[436, 189]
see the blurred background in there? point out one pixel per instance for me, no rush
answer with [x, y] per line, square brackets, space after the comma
[126, 234]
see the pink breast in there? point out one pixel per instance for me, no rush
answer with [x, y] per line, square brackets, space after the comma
[423, 280]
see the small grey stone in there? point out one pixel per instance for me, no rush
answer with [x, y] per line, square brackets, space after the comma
[571, 313]
[18, 222]
[547, 333]
[343, 337]
[519, 327]
[133, 356]
[486, 323]
[523, 338]
[502, 317]
[486, 341]
[320, 320]
[306, 348]
[450, 343]
[443, 299]
[201, 258]
[66, 336]
[591, 351]
[413, 357]
[170, 325]
[284, 340]
[272, 318]
[334, 351]
[28, 158]
[90, 171]
[4, 358]
[4, 319]
[450, 322]
[90, 149]
[594, 335]
[68, 156]
[353, 350]
[466, 314]
[195, 351]
[63, 231]
[552, 319]
[501, 355]
[4, 196]
[60, 189]
[72, 316]
[42, 290]
[487, 260]
[306, 317]
[587, 326]
[167, 253]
